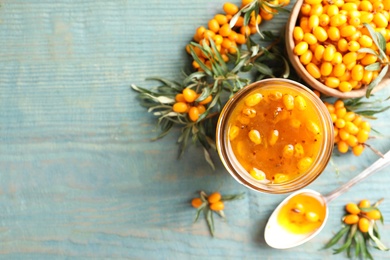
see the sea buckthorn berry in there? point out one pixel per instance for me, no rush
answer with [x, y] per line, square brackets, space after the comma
[249, 112]
[196, 202]
[326, 68]
[221, 19]
[193, 113]
[180, 107]
[358, 149]
[340, 123]
[180, 98]
[352, 141]
[332, 82]
[266, 15]
[350, 57]
[306, 57]
[305, 9]
[304, 163]
[230, 8]
[255, 136]
[320, 33]
[309, 38]
[319, 52]
[367, 77]
[349, 116]
[342, 45]
[233, 132]
[213, 25]
[314, 21]
[345, 86]
[329, 53]
[189, 95]
[311, 216]
[299, 150]
[201, 109]
[364, 204]
[352, 208]
[380, 20]
[362, 136]
[334, 33]
[288, 101]
[353, 46]
[337, 20]
[365, 41]
[217, 206]
[324, 20]
[257, 174]
[313, 2]
[279, 178]
[227, 43]
[313, 70]
[275, 96]
[225, 30]
[313, 127]
[244, 120]
[274, 136]
[342, 146]
[295, 123]
[298, 33]
[364, 225]
[341, 112]
[317, 9]
[301, 48]
[253, 99]
[241, 39]
[344, 135]
[351, 219]
[374, 214]
[288, 151]
[206, 100]
[366, 5]
[365, 125]
[300, 103]
[214, 197]
[357, 72]
[233, 36]
[338, 104]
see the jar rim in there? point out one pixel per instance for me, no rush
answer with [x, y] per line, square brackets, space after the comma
[238, 172]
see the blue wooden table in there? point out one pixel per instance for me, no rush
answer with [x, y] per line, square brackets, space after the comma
[79, 176]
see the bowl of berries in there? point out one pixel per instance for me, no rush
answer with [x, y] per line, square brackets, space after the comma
[340, 48]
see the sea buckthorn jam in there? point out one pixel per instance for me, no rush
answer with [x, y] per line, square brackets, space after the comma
[275, 133]
[302, 214]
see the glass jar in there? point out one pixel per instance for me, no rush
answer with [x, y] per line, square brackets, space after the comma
[265, 136]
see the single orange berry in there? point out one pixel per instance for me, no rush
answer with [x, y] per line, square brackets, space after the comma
[364, 225]
[351, 219]
[364, 204]
[193, 113]
[180, 107]
[352, 208]
[196, 202]
[206, 100]
[214, 197]
[217, 206]
[374, 214]
[189, 95]
[230, 8]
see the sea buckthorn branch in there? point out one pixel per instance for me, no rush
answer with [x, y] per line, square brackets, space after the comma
[221, 68]
[383, 62]
[360, 230]
[210, 204]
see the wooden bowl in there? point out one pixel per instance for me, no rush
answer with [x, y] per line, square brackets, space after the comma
[311, 81]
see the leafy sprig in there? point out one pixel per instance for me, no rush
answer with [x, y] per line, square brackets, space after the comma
[357, 243]
[382, 64]
[209, 213]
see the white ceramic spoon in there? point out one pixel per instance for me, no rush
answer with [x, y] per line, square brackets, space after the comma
[278, 237]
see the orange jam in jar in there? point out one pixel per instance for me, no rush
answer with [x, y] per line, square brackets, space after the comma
[275, 136]
[304, 213]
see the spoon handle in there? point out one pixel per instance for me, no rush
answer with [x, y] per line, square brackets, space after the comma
[376, 166]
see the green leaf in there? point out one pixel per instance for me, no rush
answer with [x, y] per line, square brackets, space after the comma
[233, 197]
[205, 93]
[199, 210]
[381, 41]
[234, 19]
[373, 67]
[376, 38]
[247, 18]
[348, 241]
[208, 158]
[368, 50]
[210, 220]
[263, 69]
[201, 64]
[194, 77]
[378, 243]
[337, 237]
[375, 82]
[172, 84]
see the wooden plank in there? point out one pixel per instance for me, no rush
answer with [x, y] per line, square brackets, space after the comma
[79, 176]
